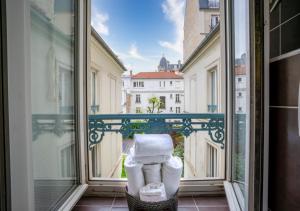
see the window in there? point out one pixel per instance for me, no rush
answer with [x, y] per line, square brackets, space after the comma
[66, 100]
[96, 164]
[177, 98]
[177, 110]
[164, 84]
[212, 161]
[138, 98]
[212, 91]
[67, 161]
[134, 84]
[171, 109]
[240, 94]
[162, 102]
[214, 20]
[213, 3]
[171, 83]
[141, 83]
[138, 110]
[239, 79]
[94, 93]
[53, 89]
[171, 96]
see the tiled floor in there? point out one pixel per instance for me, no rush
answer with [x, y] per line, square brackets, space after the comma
[184, 204]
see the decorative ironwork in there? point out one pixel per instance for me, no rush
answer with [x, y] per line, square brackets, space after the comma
[128, 124]
[59, 124]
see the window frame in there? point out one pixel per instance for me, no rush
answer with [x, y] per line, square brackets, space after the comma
[5, 199]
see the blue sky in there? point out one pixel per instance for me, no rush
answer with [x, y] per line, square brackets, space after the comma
[140, 31]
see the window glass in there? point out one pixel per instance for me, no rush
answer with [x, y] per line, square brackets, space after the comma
[53, 91]
[241, 90]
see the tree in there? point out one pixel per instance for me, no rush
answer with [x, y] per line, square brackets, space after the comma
[154, 104]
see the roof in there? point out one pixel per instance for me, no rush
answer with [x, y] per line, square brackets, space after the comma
[107, 48]
[201, 46]
[156, 75]
[240, 70]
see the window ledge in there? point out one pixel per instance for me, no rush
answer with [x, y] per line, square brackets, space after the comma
[231, 197]
[74, 198]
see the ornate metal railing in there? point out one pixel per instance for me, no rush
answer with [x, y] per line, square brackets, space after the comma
[59, 124]
[128, 124]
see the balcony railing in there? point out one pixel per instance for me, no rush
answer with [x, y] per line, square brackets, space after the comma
[127, 124]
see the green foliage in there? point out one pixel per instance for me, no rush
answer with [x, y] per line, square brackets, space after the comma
[154, 105]
[123, 174]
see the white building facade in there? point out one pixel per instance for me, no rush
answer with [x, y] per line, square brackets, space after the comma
[167, 86]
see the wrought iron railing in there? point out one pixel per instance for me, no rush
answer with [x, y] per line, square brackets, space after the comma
[128, 124]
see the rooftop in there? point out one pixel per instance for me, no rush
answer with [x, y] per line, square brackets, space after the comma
[157, 75]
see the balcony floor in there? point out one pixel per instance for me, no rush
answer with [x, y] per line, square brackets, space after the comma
[196, 203]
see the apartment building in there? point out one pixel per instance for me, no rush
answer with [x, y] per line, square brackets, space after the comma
[166, 86]
[104, 97]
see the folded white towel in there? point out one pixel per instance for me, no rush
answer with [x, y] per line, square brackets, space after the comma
[149, 159]
[153, 192]
[153, 144]
[152, 173]
[135, 176]
[171, 174]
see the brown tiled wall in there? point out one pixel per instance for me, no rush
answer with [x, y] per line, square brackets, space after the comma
[284, 175]
[285, 27]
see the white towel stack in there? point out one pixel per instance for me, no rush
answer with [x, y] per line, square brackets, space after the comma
[151, 158]
[153, 192]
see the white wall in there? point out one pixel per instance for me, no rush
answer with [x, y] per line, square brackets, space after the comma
[108, 91]
[196, 88]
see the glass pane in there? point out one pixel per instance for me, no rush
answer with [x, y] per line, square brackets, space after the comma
[241, 95]
[52, 91]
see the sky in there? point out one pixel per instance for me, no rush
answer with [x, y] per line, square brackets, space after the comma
[141, 31]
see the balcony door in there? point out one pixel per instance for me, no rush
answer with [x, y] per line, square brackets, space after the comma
[246, 102]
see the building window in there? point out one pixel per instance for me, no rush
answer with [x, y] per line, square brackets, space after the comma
[212, 106]
[171, 96]
[134, 84]
[239, 79]
[171, 109]
[138, 110]
[67, 161]
[138, 98]
[212, 161]
[177, 98]
[214, 20]
[164, 84]
[141, 83]
[162, 102]
[94, 105]
[177, 110]
[66, 91]
[171, 83]
[240, 109]
[240, 94]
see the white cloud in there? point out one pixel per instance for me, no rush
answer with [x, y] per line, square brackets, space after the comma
[174, 12]
[99, 22]
[135, 54]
